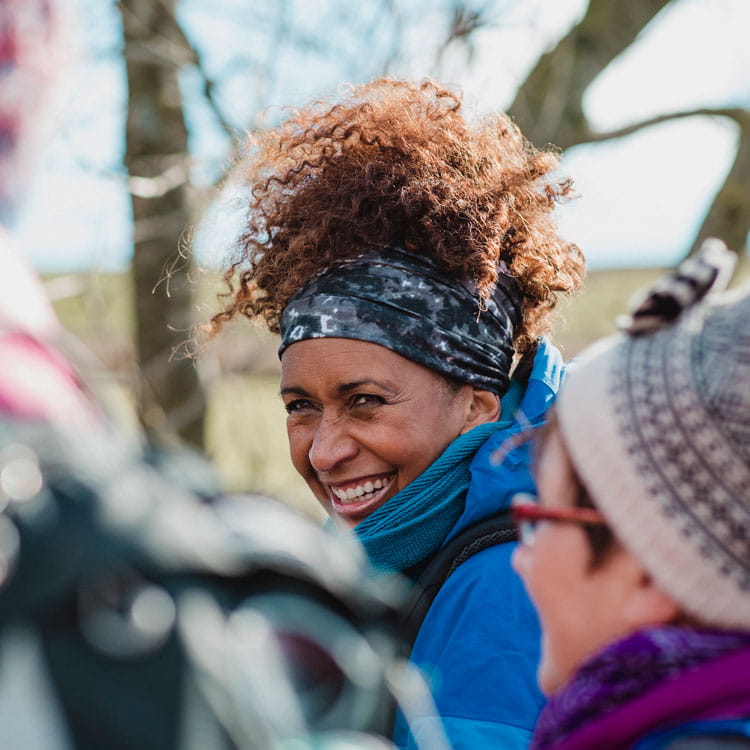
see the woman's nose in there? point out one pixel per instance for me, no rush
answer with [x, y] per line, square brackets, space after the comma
[331, 445]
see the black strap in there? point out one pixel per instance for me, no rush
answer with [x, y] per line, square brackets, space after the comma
[709, 742]
[486, 533]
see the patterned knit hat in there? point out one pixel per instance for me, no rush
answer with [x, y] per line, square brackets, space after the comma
[657, 422]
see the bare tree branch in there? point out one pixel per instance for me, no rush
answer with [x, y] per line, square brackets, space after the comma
[154, 187]
[464, 23]
[740, 116]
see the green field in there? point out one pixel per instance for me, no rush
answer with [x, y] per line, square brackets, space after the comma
[245, 431]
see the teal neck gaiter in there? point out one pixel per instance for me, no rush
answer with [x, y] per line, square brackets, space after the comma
[412, 525]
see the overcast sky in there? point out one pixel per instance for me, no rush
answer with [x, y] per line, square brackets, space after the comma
[642, 198]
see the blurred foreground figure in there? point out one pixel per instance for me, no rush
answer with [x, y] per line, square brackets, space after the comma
[138, 608]
[637, 554]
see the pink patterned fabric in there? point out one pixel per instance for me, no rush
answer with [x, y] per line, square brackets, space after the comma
[28, 31]
[37, 383]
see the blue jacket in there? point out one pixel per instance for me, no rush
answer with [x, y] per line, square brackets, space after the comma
[479, 643]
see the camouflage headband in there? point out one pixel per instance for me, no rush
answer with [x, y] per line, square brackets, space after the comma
[405, 303]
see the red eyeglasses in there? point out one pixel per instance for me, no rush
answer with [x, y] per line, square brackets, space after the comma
[527, 514]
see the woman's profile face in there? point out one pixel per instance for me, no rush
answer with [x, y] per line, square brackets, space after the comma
[364, 421]
[580, 607]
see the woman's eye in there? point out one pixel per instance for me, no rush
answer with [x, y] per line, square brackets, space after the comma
[299, 404]
[367, 399]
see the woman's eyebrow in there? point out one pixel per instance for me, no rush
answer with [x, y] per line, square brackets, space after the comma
[355, 384]
[295, 389]
[341, 388]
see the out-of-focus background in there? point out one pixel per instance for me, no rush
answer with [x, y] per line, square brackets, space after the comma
[129, 218]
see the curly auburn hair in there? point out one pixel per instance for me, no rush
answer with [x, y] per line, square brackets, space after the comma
[394, 162]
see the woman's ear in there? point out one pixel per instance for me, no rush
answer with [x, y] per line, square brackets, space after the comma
[483, 406]
[647, 604]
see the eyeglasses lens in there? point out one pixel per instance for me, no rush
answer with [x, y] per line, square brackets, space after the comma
[527, 531]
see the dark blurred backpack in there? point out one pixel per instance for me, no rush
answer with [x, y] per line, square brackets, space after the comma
[158, 614]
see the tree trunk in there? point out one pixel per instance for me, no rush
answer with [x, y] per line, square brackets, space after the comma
[549, 105]
[170, 397]
[729, 215]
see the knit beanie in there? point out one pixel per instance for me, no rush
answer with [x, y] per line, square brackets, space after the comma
[657, 423]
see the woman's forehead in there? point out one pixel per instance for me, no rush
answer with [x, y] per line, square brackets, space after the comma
[324, 347]
[346, 359]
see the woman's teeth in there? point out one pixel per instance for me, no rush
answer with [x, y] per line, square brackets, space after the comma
[361, 491]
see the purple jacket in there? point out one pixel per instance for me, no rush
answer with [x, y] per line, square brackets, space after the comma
[716, 690]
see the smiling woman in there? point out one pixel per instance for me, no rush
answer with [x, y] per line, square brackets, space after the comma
[411, 263]
[364, 421]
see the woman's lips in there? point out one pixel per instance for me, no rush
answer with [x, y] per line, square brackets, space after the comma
[358, 500]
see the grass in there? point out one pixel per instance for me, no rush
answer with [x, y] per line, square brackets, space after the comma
[246, 439]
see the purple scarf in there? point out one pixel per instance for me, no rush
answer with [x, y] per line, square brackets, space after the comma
[655, 678]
